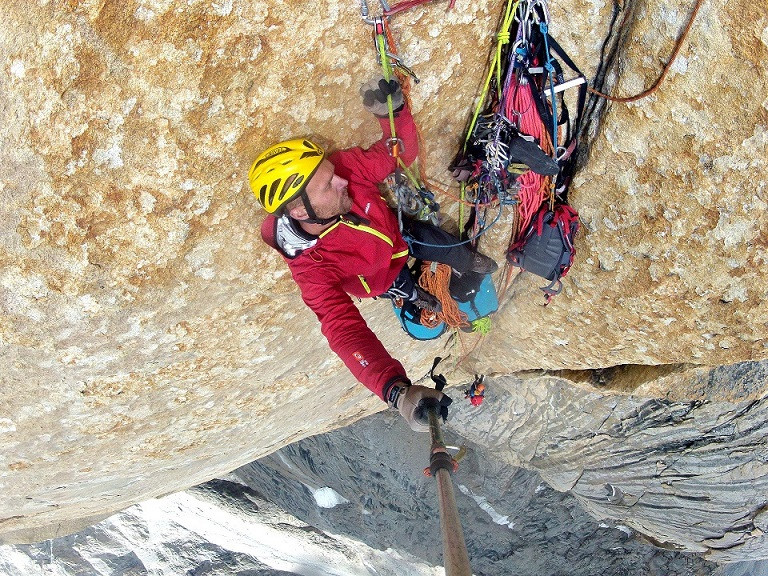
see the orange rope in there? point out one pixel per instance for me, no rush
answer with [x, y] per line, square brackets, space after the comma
[437, 283]
[664, 72]
[466, 352]
[505, 279]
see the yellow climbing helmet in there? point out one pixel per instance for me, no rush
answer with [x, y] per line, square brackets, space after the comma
[280, 173]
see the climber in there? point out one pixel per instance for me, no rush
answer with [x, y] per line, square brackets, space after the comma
[476, 392]
[339, 238]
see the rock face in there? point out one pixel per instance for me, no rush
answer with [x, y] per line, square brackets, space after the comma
[688, 475]
[149, 341]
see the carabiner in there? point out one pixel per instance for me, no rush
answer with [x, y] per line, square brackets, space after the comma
[365, 14]
[544, 10]
[398, 62]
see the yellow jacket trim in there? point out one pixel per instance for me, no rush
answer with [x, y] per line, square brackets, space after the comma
[369, 230]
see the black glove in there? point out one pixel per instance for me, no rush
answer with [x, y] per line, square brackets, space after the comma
[375, 92]
[412, 403]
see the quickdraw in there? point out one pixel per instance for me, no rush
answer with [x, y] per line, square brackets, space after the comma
[413, 198]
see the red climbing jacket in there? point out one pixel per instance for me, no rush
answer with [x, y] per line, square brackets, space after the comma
[359, 256]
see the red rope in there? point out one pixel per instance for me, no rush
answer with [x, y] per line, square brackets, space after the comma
[665, 71]
[406, 4]
[534, 188]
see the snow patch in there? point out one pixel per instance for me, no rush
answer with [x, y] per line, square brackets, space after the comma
[620, 527]
[482, 502]
[177, 534]
[327, 497]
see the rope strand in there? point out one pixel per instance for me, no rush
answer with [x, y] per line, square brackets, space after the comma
[437, 283]
[667, 67]
[534, 188]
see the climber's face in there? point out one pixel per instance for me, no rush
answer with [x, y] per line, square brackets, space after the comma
[328, 192]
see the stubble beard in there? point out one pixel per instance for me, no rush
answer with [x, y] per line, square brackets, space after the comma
[345, 203]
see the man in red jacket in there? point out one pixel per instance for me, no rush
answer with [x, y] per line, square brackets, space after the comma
[340, 238]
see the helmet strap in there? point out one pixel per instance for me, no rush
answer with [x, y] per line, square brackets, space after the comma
[313, 219]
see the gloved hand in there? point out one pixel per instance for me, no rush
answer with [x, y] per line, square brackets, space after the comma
[374, 93]
[412, 402]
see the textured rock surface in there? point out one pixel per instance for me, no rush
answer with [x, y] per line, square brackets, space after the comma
[688, 475]
[149, 342]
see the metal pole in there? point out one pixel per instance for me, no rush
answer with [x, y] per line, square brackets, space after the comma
[455, 556]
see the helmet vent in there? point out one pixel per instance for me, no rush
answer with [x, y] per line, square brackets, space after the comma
[286, 186]
[273, 191]
[310, 154]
